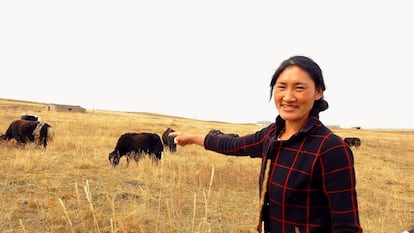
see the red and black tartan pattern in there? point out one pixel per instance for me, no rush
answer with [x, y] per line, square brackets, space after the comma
[312, 177]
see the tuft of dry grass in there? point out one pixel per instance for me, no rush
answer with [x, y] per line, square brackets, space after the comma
[70, 187]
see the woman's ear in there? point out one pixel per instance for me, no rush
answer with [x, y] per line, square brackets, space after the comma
[318, 94]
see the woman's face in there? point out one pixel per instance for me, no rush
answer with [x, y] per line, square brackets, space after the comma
[294, 94]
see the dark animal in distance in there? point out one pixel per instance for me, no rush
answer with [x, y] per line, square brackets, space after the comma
[219, 132]
[353, 141]
[30, 117]
[169, 141]
[25, 131]
[135, 145]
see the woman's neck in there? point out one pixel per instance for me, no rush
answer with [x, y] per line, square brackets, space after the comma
[290, 129]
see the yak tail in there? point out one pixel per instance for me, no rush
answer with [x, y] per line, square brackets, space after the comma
[47, 134]
[50, 133]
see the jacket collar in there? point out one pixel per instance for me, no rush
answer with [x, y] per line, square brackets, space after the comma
[312, 121]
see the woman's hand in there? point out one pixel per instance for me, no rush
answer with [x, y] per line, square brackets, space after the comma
[183, 138]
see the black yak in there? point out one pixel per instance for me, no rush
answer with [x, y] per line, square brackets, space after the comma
[134, 145]
[169, 141]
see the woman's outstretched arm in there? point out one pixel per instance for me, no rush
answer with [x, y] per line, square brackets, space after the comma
[183, 138]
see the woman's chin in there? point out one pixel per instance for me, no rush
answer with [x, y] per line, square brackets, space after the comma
[288, 116]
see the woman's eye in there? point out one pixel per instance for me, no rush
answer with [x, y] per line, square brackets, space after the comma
[300, 88]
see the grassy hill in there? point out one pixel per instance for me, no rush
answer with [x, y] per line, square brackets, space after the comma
[70, 187]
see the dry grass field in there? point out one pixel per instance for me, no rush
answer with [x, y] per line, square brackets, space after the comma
[70, 187]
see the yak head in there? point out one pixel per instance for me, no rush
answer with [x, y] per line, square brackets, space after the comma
[114, 158]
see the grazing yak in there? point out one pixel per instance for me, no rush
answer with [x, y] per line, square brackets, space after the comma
[25, 131]
[135, 145]
[169, 141]
[219, 132]
[352, 141]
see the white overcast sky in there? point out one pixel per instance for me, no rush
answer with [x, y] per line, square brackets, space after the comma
[210, 60]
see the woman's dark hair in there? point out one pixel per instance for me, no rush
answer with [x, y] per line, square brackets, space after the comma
[314, 71]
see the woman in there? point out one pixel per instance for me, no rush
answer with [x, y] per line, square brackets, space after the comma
[307, 179]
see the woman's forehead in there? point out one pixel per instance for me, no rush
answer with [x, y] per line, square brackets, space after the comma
[294, 74]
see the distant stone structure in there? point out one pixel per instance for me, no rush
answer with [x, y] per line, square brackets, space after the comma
[263, 123]
[333, 126]
[64, 108]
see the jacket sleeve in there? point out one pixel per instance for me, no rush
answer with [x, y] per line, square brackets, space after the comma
[339, 184]
[249, 145]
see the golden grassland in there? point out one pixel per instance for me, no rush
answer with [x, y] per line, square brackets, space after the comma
[70, 187]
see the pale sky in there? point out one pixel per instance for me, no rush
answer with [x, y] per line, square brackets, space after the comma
[209, 60]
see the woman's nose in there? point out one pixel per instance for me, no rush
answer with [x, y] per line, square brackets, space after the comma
[289, 96]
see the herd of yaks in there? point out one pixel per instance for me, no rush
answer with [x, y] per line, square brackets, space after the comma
[31, 129]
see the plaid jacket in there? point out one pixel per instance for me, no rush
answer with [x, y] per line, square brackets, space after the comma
[311, 187]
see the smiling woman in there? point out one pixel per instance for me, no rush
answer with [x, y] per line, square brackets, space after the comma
[307, 179]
